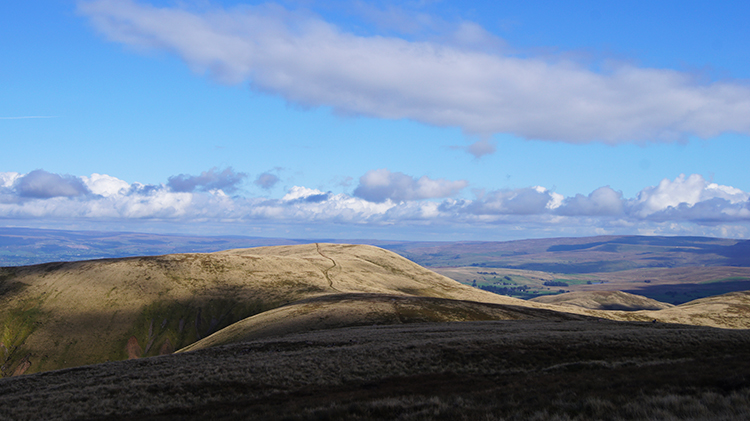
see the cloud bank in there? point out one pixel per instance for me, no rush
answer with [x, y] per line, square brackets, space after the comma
[213, 179]
[43, 185]
[381, 185]
[467, 82]
[390, 201]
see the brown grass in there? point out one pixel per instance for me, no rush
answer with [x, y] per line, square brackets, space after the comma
[603, 300]
[61, 315]
[345, 310]
[85, 312]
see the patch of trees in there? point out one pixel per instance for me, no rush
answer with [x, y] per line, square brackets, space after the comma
[523, 289]
[487, 273]
[555, 283]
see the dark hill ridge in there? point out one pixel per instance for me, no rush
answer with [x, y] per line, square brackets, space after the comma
[520, 370]
[24, 246]
[584, 255]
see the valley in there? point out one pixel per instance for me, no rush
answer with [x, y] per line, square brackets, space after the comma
[670, 285]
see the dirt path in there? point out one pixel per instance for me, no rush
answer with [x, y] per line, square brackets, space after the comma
[326, 271]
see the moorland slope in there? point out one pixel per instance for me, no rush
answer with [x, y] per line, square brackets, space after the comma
[61, 315]
[497, 370]
[603, 300]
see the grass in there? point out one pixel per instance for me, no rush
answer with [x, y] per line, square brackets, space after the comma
[95, 308]
[18, 324]
[727, 279]
[311, 352]
[573, 281]
[565, 370]
[182, 323]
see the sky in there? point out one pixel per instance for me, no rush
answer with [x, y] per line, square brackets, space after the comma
[400, 120]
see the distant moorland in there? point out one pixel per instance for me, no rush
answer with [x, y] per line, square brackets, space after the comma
[669, 269]
[25, 246]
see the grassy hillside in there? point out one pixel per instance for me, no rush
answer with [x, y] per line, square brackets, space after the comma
[334, 311]
[61, 315]
[346, 310]
[68, 314]
[604, 300]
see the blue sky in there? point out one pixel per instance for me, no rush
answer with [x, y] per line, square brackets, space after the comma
[414, 120]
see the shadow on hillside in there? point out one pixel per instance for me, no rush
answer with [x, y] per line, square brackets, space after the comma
[581, 370]
[682, 293]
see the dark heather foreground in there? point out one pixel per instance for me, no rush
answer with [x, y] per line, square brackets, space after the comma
[566, 370]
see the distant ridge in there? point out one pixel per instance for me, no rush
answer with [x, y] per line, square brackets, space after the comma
[25, 246]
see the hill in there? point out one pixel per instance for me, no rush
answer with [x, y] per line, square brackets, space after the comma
[729, 311]
[671, 285]
[558, 370]
[59, 315]
[668, 269]
[582, 255]
[347, 310]
[24, 246]
[29, 246]
[336, 331]
[603, 300]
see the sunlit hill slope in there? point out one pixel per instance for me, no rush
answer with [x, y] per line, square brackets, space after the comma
[67, 314]
[60, 315]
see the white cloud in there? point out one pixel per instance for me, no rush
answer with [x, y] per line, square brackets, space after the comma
[310, 62]
[684, 192]
[105, 185]
[602, 201]
[7, 179]
[298, 193]
[314, 204]
[381, 185]
[526, 201]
